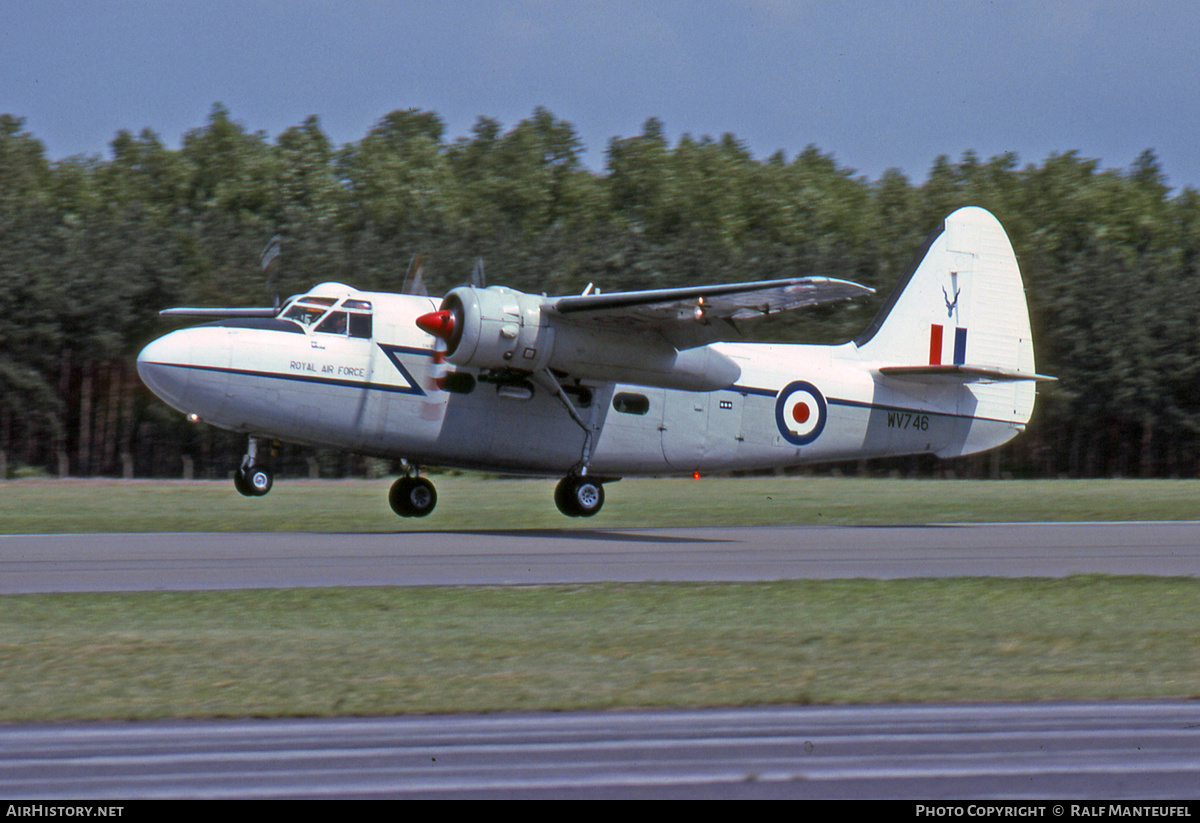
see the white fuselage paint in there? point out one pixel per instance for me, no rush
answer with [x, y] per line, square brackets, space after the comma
[792, 404]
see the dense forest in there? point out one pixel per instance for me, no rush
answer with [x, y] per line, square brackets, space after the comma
[91, 248]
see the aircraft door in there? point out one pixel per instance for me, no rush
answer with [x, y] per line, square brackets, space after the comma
[724, 436]
[684, 428]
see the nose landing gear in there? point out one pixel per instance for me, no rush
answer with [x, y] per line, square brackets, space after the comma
[253, 479]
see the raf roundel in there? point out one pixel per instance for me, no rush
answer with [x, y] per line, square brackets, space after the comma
[800, 413]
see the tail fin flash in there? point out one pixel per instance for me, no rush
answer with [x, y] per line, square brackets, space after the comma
[959, 316]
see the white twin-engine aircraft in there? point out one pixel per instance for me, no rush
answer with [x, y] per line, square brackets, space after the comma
[593, 387]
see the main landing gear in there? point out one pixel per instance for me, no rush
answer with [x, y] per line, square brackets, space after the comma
[578, 496]
[412, 496]
[252, 478]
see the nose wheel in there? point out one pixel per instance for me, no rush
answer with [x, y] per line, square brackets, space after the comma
[252, 478]
[412, 497]
[578, 496]
[253, 481]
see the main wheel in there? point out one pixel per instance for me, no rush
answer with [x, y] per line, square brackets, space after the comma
[412, 497]
[578, 496]
[253, 482]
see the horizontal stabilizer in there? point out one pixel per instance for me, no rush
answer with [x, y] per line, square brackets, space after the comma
[267, 311]
[957, 374]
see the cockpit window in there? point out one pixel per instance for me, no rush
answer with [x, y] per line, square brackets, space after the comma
[360, 325]
[304, 313]
[334, 323]
[310, 310]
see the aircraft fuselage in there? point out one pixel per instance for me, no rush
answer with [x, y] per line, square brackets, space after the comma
[380, 395]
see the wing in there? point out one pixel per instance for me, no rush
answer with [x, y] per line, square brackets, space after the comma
[197, 312]
[699, 314]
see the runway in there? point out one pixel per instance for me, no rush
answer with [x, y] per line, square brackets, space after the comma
[1005, 754]
[130, 562]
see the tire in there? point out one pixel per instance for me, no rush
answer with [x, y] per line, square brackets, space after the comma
[253, 482]
[412, 497]
[242, 484]
[578, 496]
[562, 497]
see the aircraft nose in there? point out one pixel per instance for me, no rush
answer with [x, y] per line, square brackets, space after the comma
[162, 365]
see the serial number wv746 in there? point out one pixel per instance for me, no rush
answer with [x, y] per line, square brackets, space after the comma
[908, 420]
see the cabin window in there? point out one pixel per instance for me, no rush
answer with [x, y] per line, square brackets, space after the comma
[335, 323]
[630, 403]
[360, 325]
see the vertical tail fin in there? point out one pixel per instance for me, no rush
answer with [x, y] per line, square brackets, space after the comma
[959, 315]
[962, 303]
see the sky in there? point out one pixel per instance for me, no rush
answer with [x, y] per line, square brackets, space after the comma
[876, 84]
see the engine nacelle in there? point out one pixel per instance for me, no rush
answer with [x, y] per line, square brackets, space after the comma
[496, 328]
[501, 328]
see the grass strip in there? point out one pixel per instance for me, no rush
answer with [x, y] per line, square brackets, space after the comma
[321, 652]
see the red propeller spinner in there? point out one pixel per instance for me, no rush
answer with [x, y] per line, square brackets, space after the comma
[438, 323]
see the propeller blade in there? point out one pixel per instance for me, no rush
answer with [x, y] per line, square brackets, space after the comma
[477, 278]
[414, 279]
[440, 324]
[269, 258]
[436, 398]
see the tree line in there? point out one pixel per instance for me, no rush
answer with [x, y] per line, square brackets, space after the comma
[92, 247]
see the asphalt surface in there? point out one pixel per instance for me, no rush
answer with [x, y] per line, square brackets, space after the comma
[128, 562]
[1006, 754]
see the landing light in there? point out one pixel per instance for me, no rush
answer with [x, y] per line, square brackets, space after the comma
[193, 418]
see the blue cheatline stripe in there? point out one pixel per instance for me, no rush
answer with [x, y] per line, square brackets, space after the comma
[388, 348]
[392, 351]
[413, 388]
[859, 404]
[960, 346]
[752, 390]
